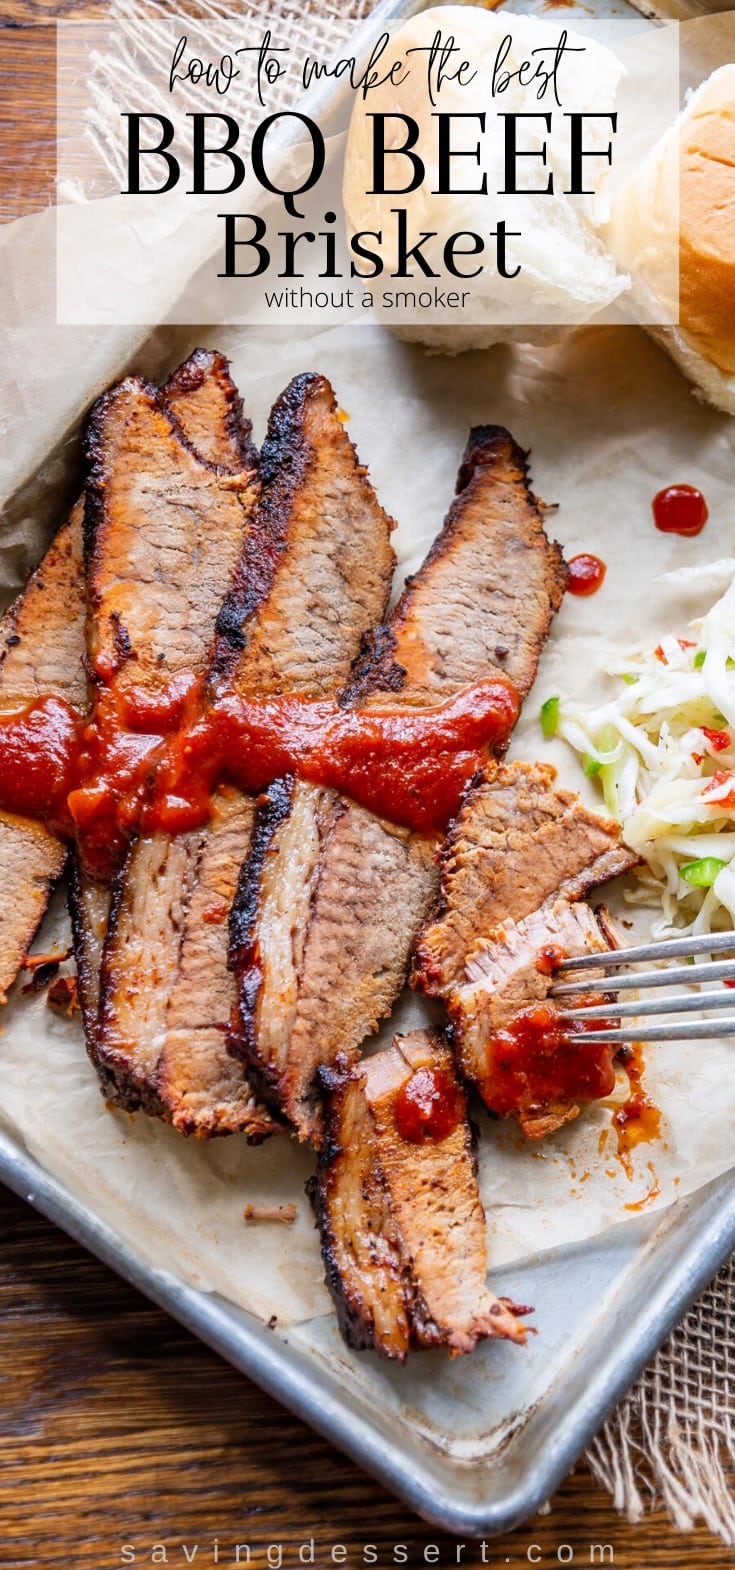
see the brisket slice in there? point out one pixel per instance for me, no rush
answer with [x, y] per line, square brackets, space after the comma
[544, 1081]
[517, 841]
[315, 574]
[402, 1225]
[485, 596]
[207, 407]
[330, 900]
[322, 906]
[518, 857]
[204, 402]
[41, 650]
[164, 531]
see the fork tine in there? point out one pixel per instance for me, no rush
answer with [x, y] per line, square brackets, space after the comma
[718, 970]
[668, 948]
[681, 1003]
[698, 1030]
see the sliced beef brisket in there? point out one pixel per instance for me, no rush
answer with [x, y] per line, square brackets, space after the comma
[401, 1221]
[517, 860]
[41, 651]
[42, 646]
[314, 574]
[517, 841]
[508, 1035]
[321, 944]
[202, 399]
[165, 525]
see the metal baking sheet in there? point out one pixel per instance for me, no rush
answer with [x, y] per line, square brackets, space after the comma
[603, 1308]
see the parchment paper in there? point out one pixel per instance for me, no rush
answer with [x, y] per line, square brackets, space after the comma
[609, 421]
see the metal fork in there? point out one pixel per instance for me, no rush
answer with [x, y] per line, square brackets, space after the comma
[623, 980]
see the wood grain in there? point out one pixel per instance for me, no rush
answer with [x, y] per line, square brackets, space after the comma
[117, 1426]
[27, 119]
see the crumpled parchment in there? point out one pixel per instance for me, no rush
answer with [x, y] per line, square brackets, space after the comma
[609, 421]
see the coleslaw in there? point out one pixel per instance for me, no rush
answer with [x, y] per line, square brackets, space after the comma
[663, 753]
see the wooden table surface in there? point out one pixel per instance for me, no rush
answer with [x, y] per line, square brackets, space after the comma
[116, 1426]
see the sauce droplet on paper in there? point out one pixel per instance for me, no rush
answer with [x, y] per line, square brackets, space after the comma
[586, 574]
[680, 509]
[638, 1120]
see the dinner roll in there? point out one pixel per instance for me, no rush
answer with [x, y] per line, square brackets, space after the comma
[688, 181]
[567, 274]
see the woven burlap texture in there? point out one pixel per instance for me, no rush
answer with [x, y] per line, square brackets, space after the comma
[673, 1436]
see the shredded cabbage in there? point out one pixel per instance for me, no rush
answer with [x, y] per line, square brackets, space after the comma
[662, 751]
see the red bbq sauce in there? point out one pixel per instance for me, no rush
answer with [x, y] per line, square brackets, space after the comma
[586, 574]
[153, 761]
[549, 959]
[535, 1063]
[680, 509]
[38, 750]
[637, 1121]
[428, 1107]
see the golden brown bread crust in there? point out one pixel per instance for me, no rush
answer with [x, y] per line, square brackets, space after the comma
[707, 223]
[401, 1223]
[481, 602]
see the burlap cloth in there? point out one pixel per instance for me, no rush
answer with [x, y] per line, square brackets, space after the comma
[672, 1439]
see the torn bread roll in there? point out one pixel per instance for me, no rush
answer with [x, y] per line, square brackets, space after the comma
[567, 276]
[688, 184]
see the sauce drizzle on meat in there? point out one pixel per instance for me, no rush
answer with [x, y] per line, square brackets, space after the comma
[428, 1106]
[638, 1120]
[535, 1062]
[153, 762]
